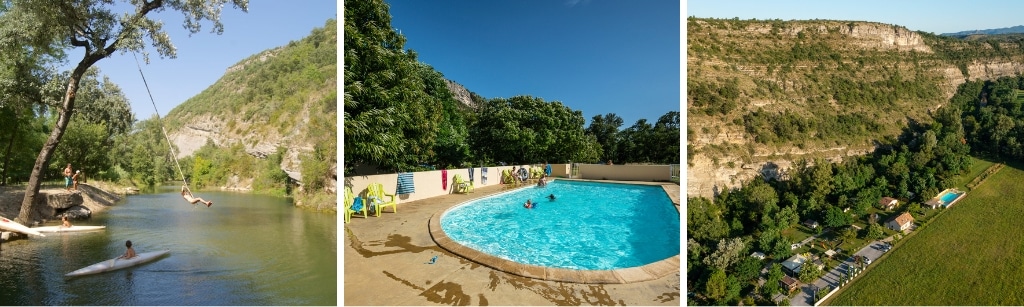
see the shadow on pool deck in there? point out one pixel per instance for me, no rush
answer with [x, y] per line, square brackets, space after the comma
[386, 263]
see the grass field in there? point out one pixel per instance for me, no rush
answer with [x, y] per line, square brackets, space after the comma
[978, 166]
[972, 255]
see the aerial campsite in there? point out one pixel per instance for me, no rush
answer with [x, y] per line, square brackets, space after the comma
[168, 153]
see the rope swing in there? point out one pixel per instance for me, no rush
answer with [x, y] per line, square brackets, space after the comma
[159, 122]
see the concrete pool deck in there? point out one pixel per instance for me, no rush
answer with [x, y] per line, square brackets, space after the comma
[386, 263]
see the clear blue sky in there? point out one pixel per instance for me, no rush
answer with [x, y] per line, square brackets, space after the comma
[204, 57]
[918, 15]
[596, 56]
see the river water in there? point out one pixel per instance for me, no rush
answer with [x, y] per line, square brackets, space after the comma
[244, 250]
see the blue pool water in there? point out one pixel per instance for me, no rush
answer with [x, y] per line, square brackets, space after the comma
[949, 197]
[589, 226]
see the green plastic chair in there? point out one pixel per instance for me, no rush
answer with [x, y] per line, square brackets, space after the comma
[508, 179]
[349, 199]
[375, 197]
[461, 185]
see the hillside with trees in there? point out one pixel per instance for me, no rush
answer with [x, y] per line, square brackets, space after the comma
[763, 94]
[401, 116]
[270, 122]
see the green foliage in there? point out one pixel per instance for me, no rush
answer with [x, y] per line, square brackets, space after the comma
[605, 128]
[810, 272]
[875, 231]
[212, 166]
[835, 218]
[83, 147]
[771, 285]
[525, 129]
[144, 154]
[717, 286]
[748, 269]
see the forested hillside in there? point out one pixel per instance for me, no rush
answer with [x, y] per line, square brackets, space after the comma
[401, 116]
[268, 123]
[762, 94]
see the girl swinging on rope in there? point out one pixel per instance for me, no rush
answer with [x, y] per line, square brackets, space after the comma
[187, 194]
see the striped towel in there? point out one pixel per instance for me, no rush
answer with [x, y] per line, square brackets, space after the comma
[483, 175]
[405, 185]
[471, 175]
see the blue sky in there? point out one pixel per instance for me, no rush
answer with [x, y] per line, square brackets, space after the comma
[930, 16]
[204, 57]
[596, 56]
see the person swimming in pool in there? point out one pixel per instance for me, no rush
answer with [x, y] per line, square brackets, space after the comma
[528, 204]
[551, 197]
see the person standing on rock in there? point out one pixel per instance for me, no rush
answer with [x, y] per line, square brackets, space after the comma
[67, 178]
[187, 194]
[74, 180]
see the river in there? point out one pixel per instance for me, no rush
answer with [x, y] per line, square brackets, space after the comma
[244, 250]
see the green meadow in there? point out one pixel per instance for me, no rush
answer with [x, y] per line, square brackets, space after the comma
[971, 255]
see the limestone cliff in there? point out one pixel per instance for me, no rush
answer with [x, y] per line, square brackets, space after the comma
[284, 97]
[460, 93]
[839, 86]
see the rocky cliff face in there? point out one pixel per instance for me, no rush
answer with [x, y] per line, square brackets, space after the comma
[198, 131]
[725, 155]
[460, 93]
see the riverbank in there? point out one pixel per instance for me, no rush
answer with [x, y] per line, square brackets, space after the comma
[96, 196]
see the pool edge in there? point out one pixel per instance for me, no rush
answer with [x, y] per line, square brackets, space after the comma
[647, 272]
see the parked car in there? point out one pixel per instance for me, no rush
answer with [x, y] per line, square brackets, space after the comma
[867, 260]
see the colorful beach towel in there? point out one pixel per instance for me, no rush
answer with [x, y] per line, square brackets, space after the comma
[444, 180]
[471, 175]
[547, 170]
[405, 184]
[483, 175]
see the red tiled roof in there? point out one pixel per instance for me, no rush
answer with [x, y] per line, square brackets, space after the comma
[886, 200]
[903, 218]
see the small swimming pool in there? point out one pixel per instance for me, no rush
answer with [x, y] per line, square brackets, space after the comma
[949, 196]
[589, 226]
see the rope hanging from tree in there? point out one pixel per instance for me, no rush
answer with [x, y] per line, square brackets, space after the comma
[169, 145]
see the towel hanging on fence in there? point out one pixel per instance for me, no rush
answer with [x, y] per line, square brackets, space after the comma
[405, 184]
[483, 175]
[444, 180]
[547, 170]
[471, 175]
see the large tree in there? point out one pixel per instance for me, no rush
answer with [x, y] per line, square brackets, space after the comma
[525, 129]
[606, 129]
[95, 27]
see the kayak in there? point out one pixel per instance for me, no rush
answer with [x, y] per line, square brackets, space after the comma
[117, 264]
[73, 228]
[14, 226]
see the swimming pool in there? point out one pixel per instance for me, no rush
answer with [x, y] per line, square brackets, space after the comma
[589, 226]
[949, 196]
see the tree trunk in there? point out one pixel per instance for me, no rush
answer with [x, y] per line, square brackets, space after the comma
[63, 118]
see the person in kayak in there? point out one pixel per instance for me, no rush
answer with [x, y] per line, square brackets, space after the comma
[130, 253]
[192, 199]
[65, 223]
